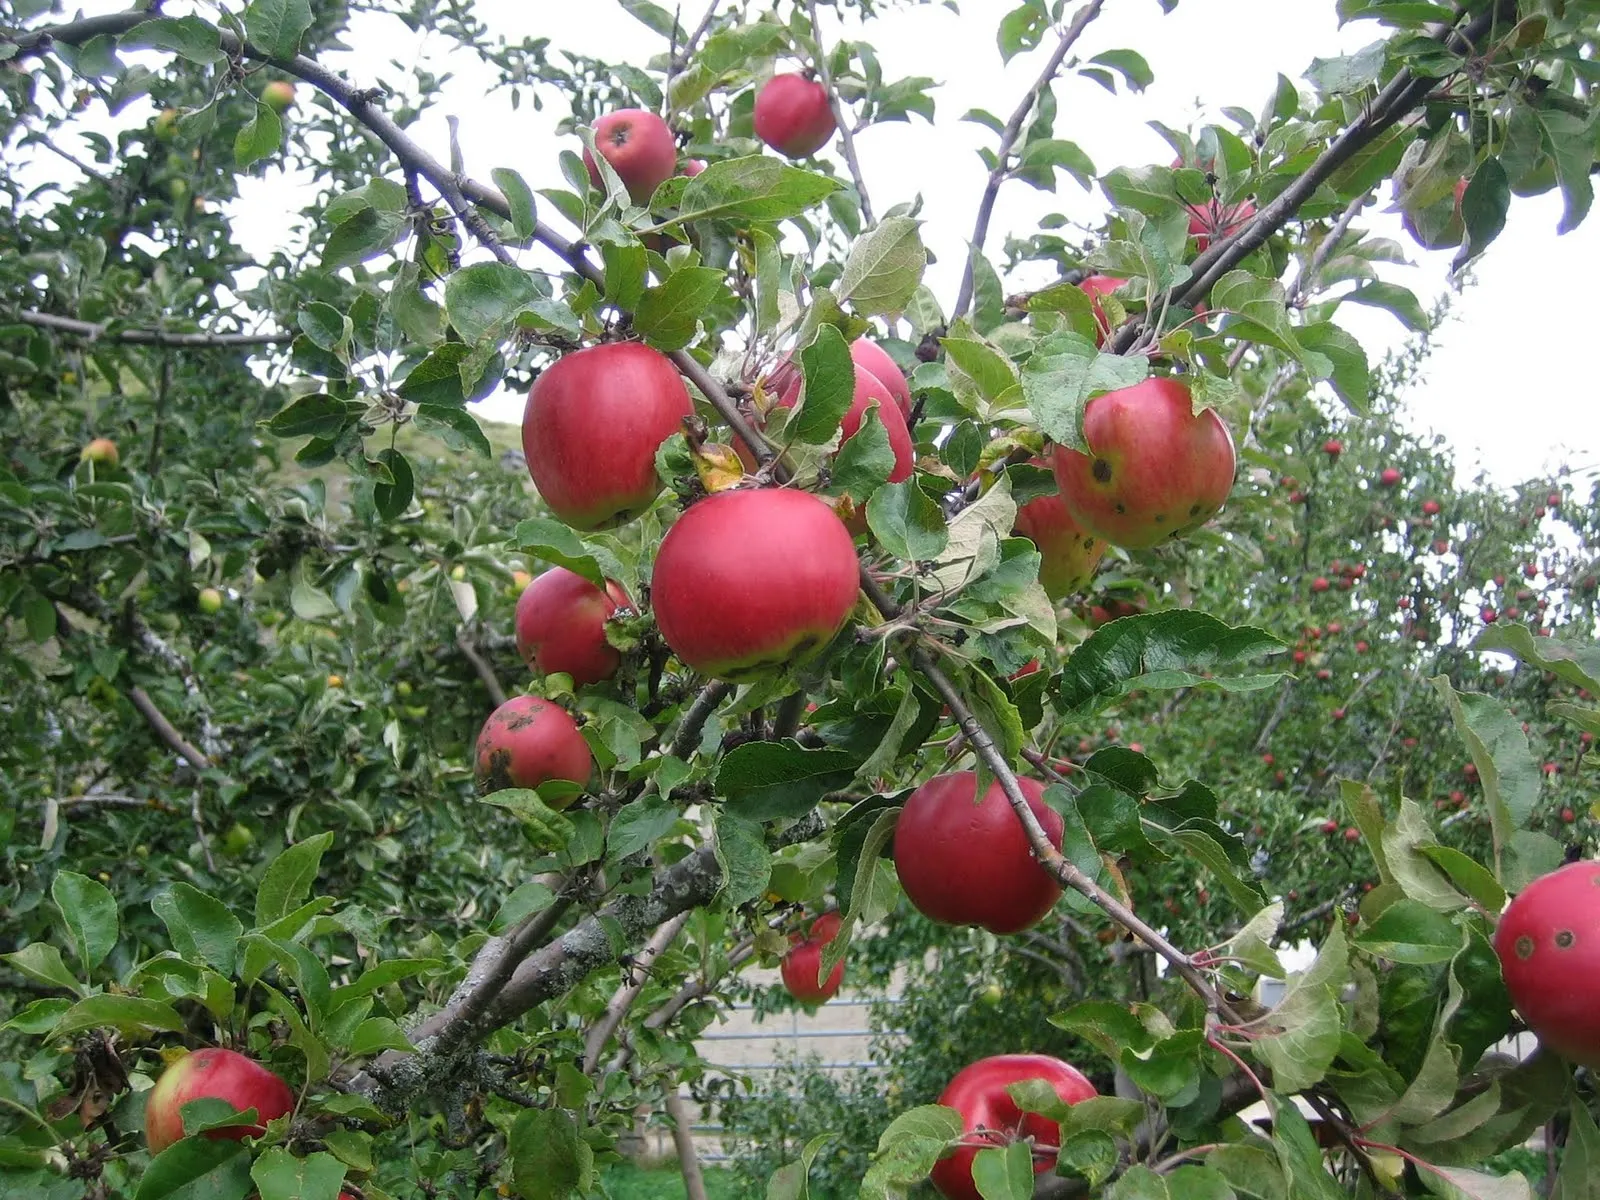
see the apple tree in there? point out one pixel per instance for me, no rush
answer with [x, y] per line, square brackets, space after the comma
[793, 585]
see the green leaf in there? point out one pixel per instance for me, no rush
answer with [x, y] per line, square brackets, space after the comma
[483, 298]
[1483, 208]
[830, 379]
[197, 1168]
[276, 25]
[326, 326]
[1300, 1037]
[627, 267]
[289, 877]
[1499, 748]
[744, 858]
[669, 314]
[89, 911]
[314, 416]
[549, 1160]
[392, 499]
[1130, 64]
[762, 781]
[1352, 376]
[311, 603]
[456, 427]
[884, 268]
[376, 1034]
[1004, 1174]
[364, 233]
[640, 825]
[907, 522]
[519, 196]
[281, 1176]
[865, 460]
[1580, 1160]
[1409, 931]
[1064, 374]
[545, 826]
[199, 925]
[1400, 302]
[759, 188]
[128, 1014]
[1159, 650]
[792, 1180]
[188, 37]
[552, 542]
[259, 138]
[42, 963]
[1577, 663]
[1021, 29]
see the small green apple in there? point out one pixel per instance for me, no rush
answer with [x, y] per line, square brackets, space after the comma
[165, 126]
[458, 572]
[209, 601]
[278, 95]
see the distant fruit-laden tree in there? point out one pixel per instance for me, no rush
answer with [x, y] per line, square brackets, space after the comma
[1101, 639]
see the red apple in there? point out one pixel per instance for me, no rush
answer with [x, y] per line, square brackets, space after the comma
[1217, 220]
[785, 380]
[793, 116]
[278, 95]
[592, 425]
[640, 148]
[561, 626]
[1319, 584]
[1094, 287]
[802, 965]
[1548, 941]
[218, 1074]
[528, 742]
[1155, 470]
[870, 356]
[753, 578]
[693, 167]
[962, 863]
[1430, 508]
[101, 451]
[1068, 556]
[1333, 447]
[990, 1117]
[1390, 477]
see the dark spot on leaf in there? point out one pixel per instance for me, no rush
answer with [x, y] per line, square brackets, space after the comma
[1101, 470]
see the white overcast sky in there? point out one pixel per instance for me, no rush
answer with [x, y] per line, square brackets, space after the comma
[1503, 384]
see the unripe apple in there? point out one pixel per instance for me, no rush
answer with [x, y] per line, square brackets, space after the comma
[801, 968]
[561, 626]
[519, 580]
[101, 451]
[278, 95]
[753, 578]
[990, 1117]
[592, 426]
[1094, 287]
[1154, 470]
[335, 682]
[962, 863]
[165, 126]
[639, 146]
[218, 1074]
[793, 116]
[869, 356]
[526, 743]
[1068, 555]
[458, 572]
[209, 600]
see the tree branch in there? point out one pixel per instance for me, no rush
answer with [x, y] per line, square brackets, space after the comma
[1008, 139]
[625, 995]
[89, 331]
[491, 681]
[845, 134]
[694, 720]
[166, 731]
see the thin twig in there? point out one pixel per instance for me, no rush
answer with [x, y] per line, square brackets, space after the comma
[628, 991]
[92, 332]
[166, 731]
[682, 57]
[846, 135]
[491, 681]
[1008, 139]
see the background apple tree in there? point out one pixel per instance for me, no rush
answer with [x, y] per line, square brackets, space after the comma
[248, 650]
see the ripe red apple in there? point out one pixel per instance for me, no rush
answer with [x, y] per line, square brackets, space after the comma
[869, 356]
[278, 95]
[1530, 571]
[101, 451]
[591, 428]
[1553, 500]
[962, 863]
[693, 167]
[1333, 447]
[1217, 220]
[640, 148]
[990, 1117]
[528, 742]
[1548, 941]
[1068, 556]
[1352, 834]
[793, 116]
[1390, 477]
[561, 626]
[1094, 287]
[1320, 584]
[785, 380]
[1430, 508]
[219, 1074]
[802, 965]
[1155, 470]
[752, 578]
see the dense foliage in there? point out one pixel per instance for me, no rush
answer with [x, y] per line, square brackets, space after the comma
[261, 565]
